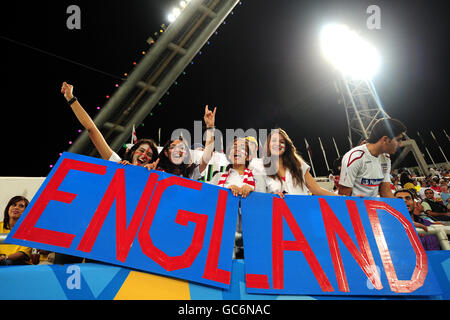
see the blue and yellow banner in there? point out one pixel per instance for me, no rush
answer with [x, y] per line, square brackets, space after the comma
[169, 226]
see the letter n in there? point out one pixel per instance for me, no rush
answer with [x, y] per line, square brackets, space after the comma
[124, 236]
[364, 258]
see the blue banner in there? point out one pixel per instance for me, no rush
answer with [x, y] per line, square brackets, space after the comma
[130, 216]
[333, 246]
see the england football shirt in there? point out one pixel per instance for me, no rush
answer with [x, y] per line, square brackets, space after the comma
[363, 172]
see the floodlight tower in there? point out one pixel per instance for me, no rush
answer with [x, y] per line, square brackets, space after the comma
[191, 25]
[356, 62]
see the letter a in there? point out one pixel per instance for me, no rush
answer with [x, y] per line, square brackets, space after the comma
[74, 21]
[280, 210]
[374, 21]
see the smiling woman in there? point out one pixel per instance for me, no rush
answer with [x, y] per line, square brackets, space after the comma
[13, 254]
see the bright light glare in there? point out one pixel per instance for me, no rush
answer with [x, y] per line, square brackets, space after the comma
[171, 17]
[182, 4]
[348, 52]
[176, 12]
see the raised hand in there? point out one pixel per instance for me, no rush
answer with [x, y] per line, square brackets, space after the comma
[67, 90]
[152, 166]
[209, 117]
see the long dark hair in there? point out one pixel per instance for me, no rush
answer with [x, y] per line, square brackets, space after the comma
[291, 159]
[129, 153]
[12, 201]
[184, 169]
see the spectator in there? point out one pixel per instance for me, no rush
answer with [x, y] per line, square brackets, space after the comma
[239, 179]
[11, 254]
[330, 176]
[429, 242]
[366, 169]
[445, 195]
[253, 145]
[435, 186]
[292, 174]
[424, 186]
[405, 177]
[175, 157]
[433, 208]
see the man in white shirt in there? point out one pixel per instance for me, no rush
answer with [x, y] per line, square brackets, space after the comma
[365, 169]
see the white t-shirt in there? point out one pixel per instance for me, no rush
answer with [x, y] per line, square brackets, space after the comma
[363, 172]
[274, 185]
[114, 157]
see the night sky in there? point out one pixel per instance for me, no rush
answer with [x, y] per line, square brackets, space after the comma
[263, 69]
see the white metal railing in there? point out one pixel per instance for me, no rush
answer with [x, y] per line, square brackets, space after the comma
[440, 232]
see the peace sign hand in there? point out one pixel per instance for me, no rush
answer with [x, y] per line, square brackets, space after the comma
[209, 117]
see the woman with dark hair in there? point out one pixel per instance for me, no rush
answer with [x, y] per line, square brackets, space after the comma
[286, 171]
[11, 254]
[237, 176]
[175, 157]
[239, 179]
[144, 153]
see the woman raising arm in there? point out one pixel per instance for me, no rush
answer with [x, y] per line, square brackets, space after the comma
[143, 153]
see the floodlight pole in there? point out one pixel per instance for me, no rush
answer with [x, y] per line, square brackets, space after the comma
[363, 108]
[172, 52]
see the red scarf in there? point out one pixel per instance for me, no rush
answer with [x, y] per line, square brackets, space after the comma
[248, 178]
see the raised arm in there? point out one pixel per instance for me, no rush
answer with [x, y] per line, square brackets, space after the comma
[209, 119]
[94, 133]
[314, 187]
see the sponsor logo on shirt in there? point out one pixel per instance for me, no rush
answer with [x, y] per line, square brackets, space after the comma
[371, 182]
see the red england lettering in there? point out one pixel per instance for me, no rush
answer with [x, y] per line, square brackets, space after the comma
[124, 236]
[212, 272]
[421, 267]
[183, 217]
[364, 257]
[280, 210]
[28, 231]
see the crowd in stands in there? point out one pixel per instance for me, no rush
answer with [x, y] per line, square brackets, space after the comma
[427, 199]
[364, 171]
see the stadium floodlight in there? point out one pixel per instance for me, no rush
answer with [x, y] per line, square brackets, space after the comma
[171, 17]
[174, 14]
[350, 54]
